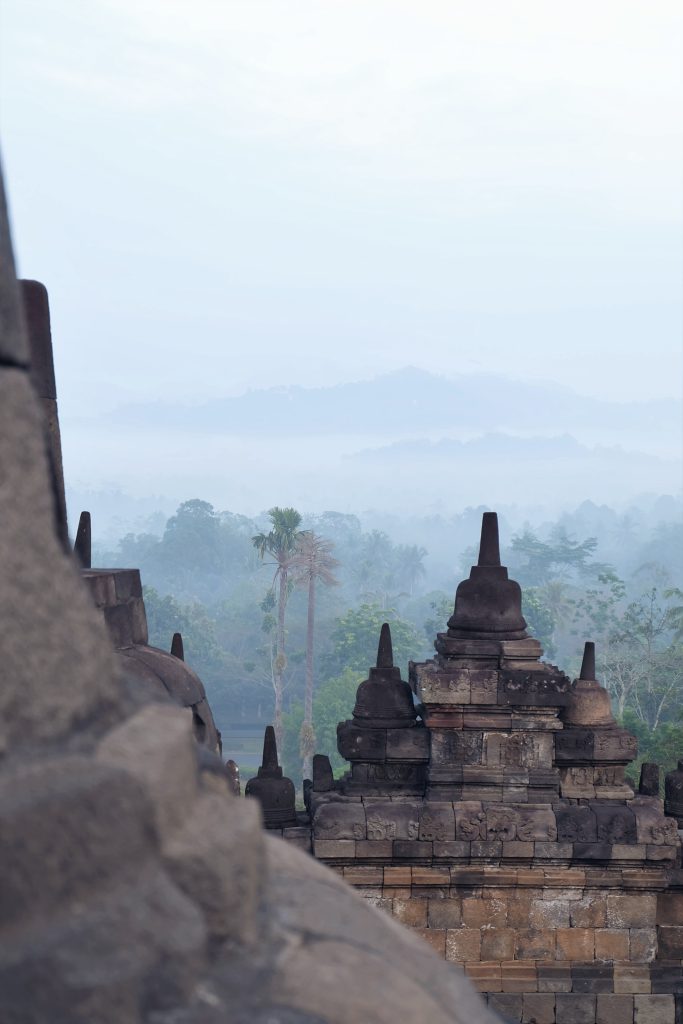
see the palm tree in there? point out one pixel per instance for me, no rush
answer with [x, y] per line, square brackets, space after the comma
[280, 542]
[313, 563]
[410, 558]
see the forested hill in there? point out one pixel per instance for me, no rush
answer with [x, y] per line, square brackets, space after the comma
[410, 401]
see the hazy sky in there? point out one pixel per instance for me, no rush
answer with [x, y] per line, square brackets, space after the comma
[225, 194]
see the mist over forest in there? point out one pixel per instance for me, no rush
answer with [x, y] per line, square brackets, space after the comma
[406, 443]
[613, 575]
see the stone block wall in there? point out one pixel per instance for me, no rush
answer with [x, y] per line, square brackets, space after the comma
[551, 945]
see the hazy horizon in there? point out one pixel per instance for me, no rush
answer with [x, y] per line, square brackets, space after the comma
[263, 195]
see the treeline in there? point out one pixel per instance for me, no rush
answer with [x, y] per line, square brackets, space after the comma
[218, 578]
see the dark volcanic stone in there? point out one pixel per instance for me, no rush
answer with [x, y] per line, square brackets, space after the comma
[488, 604]
[576, 824]
[323, 778]
[273, 791]
[177, 649]
[384, 700]
[673, 794]
[83, 544]
[649, 779]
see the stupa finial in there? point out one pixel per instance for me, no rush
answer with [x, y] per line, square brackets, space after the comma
[177, 649]
[269, 762]
[83, 545]
[489, 545]
[385, 652]
[588, 663]
[589, 703]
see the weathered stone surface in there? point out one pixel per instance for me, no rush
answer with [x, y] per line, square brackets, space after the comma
[156, 747]
[437, 822]
[13, 342]
[651, 825]
[649, 779]
[539, 686]
[359, 943]
[410, 744]
[117, 593]
[434, 684]
[501, 823]
[631, 910]
[455, 747]
[133, 948]
[392, 819]
[654, 1009]
[55, 848]
[357, 744]
[470, 820]
[616, 824]
[614, 1009]
[673, 794]
[615, 745]
[536, 824]
[323, 777]
[37, 320]
[338, 820]
[60, 637]
[218, 860]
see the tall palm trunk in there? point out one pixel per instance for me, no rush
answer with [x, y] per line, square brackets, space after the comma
[280, 659]
[308, 696]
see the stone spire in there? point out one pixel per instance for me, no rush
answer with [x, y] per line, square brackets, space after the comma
[588, 661]
[387, 745]
[274, 791]
[37, 319]
[177, 649]
[488, 605]
[83, 544]
[589, 702]
[673, 794]
[384, 700]
[592, 751]
[270, 767]
[490, 704]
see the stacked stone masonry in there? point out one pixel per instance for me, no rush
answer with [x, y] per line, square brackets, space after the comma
[494, 818]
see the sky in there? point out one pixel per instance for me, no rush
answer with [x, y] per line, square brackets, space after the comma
[235, 194]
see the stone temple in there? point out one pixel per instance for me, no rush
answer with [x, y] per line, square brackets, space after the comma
[495, 819]
[485, 812]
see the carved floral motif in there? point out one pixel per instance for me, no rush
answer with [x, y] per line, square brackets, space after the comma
[379, 828]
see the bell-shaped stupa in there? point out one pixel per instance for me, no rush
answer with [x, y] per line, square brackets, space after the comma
[488, 605]
[592, 750]
[273, 790]
[385, 742]
[384, 700]
[589, 702]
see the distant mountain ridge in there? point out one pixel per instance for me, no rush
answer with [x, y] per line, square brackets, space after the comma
[407, 401]
[505, 446]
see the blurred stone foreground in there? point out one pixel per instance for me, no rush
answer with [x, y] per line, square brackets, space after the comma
[134, 887]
